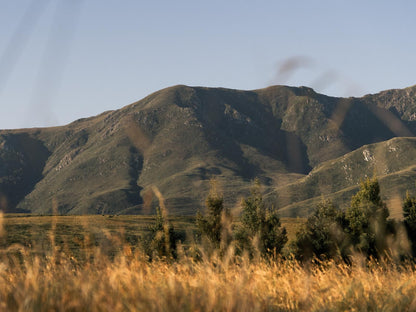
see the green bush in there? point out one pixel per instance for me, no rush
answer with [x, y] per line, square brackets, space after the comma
[364, 227]
[260, 228]
[409, 215]
[323, 234]
[214, 226]
[367, 220]
[162, 242]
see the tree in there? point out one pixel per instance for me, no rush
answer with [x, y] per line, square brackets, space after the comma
[367, 223]
[212, 226]
[163, 238]
[323, 234]
[260, 227]
[409, 215]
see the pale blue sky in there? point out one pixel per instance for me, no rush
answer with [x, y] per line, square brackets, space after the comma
[65, 59]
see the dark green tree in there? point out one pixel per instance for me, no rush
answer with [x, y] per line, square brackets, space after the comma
[260, 227]
[367, 223]
[409, 215]
[163, 238]
[323, 234]
[213, 225]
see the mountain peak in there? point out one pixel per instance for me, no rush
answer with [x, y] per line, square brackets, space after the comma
[178, 138]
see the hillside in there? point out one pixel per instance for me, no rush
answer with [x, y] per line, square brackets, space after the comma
[177, 139]
[392, 161]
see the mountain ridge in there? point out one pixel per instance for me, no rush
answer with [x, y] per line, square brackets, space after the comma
[178, 138]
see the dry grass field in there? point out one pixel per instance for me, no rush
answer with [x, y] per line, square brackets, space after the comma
[74, 234]
[107, 273]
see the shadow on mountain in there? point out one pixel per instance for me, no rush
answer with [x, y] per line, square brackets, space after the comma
[364, 124]
[178, 138]
[233, 119]
[22, 159]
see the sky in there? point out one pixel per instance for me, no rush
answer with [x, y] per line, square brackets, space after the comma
[61, 60]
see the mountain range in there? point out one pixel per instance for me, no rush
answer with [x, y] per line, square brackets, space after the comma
[299, 144]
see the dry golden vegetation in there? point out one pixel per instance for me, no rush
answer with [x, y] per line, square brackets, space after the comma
[127, 281]
[130, 283]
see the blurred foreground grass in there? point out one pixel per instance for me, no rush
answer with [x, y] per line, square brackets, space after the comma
[39, 272]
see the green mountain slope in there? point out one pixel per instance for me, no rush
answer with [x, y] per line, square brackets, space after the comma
[392, 161]
[172, 142]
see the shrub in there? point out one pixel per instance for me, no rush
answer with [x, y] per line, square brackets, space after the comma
[367, 223]
[260, 227]
[163, 238]
[323, 235]
[214, 225]
[409, 215]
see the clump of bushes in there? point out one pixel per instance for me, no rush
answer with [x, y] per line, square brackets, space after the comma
[259, 231]
[323, 235]
[363, 227]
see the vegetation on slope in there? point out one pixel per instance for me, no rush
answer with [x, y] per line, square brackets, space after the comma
[338, 179]
[178, 138]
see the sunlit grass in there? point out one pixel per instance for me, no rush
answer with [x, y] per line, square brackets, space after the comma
[130, 283]
[126, 281]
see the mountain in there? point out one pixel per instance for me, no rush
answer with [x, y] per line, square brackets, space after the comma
[170, 144]
[392, 161]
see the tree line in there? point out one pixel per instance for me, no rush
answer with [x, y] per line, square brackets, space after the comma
[364, 227]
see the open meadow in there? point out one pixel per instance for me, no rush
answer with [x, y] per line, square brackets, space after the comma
[75, 235]
[96, 263]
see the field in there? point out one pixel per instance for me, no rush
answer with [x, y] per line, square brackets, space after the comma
[75, 234]
[94, 263]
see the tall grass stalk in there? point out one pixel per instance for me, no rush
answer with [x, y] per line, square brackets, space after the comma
[55, 280]
[130, 283]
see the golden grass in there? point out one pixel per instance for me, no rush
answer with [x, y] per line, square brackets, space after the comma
[128, 282]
